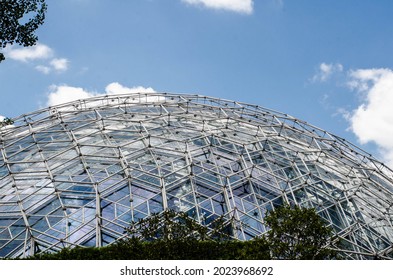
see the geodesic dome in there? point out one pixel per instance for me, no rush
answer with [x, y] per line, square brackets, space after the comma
[79, 173]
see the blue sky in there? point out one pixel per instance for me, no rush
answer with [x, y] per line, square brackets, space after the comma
[326, 62]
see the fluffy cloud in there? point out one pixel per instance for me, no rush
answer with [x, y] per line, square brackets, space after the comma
[41, 53]
[43, 69]
[59, 64]
[116, 88]
[239, 6]
[372, 121]
[325, 71]
[62, 94]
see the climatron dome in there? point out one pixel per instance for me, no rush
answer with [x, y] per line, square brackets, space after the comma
[78, 174]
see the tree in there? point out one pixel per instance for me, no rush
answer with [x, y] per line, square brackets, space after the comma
[294, 232]
[168, 225]
[298, 233]
[19, 19]
[171, 225]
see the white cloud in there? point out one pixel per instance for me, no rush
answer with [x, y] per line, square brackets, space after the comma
[361, 79]
[39, 51]
[62, 94]
[59, 64]
[372, 121]
[325, 71]
[43, 69]
[116, 88]
[239, 6]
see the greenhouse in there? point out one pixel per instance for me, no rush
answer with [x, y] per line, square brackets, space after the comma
[79, 173]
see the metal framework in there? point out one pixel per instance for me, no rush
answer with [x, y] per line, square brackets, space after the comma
[77, 174]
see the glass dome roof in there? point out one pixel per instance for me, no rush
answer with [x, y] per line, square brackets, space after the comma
[79, 173]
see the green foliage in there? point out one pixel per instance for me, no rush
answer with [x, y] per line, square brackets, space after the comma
[298, 233]
[191, 249]
[295, 233]
[19, 19]
[172, 225]
[168, 225]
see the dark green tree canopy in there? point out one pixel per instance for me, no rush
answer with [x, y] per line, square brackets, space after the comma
[19, 19]
[295, 233]
[299, 233]
[171, 225]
